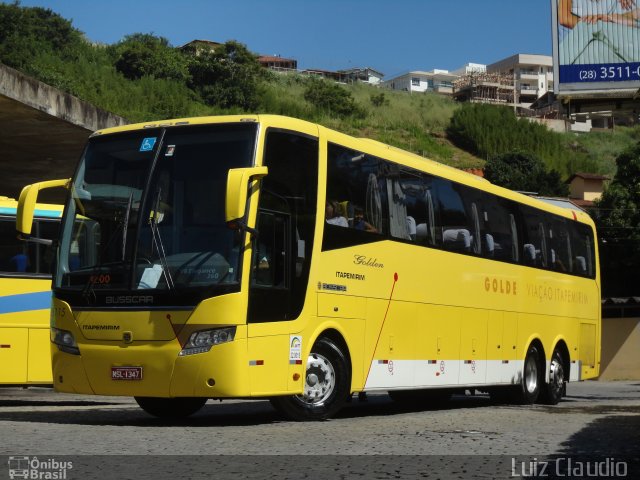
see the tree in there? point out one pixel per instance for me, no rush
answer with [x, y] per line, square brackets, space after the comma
[617, 217]
[332, 99]
[29, 31]
[524, 172]
[143, 54]
[489, 130]
[227, 77]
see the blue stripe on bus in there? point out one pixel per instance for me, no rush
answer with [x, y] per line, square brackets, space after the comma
[36, 213]
[25, 301]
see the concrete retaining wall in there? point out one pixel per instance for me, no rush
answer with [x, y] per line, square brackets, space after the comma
[43, 97]
[620, 349]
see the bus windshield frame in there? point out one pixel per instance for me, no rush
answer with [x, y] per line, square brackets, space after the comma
[145, 216]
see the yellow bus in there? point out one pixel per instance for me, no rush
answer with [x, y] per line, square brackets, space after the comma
[25, 296]
[264, 256]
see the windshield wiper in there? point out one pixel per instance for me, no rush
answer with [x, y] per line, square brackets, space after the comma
[125, 226]
[157, 241]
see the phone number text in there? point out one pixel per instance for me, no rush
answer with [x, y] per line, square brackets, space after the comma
[617, 72]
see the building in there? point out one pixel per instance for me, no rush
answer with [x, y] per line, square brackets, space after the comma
[365, 75]
[585, 188]
[531, 76]
[326, 74]
[438, 81]
[278, 63]
[199, 46]
[470, 68]
[484, 87]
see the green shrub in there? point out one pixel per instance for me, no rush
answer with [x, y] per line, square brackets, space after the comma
[332, 99]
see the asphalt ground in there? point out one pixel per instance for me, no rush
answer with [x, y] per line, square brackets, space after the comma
[595, 429]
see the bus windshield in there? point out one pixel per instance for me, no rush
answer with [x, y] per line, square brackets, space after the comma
[146, 210]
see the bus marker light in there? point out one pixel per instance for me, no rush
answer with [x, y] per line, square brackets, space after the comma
[253, 363]
[296, 377]
[211, 382]
[5, 346]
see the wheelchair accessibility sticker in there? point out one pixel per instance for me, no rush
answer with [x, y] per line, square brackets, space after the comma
[147, 144]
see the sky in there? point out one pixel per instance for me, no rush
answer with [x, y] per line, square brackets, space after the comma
[390, 36]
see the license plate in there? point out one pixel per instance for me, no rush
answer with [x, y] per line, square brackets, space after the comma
[126, 373]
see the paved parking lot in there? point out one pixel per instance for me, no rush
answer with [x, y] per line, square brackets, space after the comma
[468, 435]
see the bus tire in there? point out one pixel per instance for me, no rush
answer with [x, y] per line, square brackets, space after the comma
[555, 388]
[178, 407]
[532, 379]
[326, 388]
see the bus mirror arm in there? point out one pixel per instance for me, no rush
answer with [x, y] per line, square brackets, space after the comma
[241, 225]
[30, 239]
[27, 205]
[236, 196]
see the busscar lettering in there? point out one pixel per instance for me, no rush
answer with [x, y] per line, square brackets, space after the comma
[350, 276]
[129, 300]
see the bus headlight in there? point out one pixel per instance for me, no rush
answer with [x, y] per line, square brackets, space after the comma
[203, 340]
[65, 341]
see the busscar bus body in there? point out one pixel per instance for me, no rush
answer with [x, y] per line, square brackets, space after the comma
[264, 256]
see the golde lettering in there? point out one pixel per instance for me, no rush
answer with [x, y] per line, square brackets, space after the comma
[500, 285]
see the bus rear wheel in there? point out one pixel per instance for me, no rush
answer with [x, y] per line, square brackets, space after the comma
[179, 407]
[326, 387]
[555, 388]
[532, 380]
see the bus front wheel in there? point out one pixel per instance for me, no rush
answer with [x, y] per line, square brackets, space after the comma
[326, 386]
[179, 407]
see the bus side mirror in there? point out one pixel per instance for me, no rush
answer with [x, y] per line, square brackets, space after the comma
[27, 204]
[237, 186]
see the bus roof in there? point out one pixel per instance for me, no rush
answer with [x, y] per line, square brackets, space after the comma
[9, 206]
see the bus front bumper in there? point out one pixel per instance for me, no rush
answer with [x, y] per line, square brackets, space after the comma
[152, 369]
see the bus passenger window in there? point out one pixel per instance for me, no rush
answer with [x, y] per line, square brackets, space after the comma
[582, 248]
[27, 258]
[454, 224]
[500, 230]
[559, 243]
[356, 198]
[534, 252]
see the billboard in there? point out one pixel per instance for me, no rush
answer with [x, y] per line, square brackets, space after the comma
[596, 44]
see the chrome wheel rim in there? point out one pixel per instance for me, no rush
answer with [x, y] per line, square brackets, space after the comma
[556, 374]
[531, 376]
[320, 380]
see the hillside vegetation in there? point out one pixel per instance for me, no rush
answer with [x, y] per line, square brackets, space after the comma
[143, 77]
